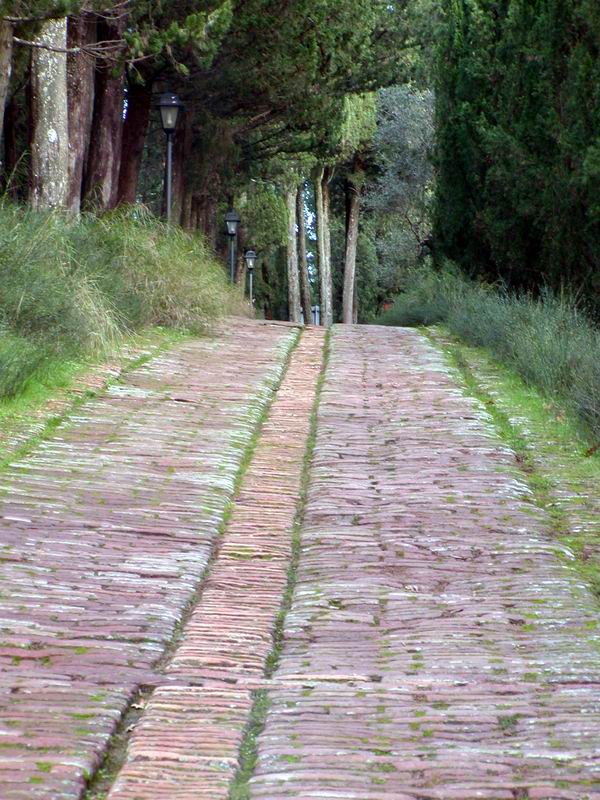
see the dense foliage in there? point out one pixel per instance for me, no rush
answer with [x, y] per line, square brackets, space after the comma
[518, 125]
[275, 93]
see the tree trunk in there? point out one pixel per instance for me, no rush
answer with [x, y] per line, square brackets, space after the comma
[80, 74]
[139, 98]
[194, 213]
[266, 290]
[50, 144]
[186, 212]
[207, 216]
[211, 229]
[352, 218]
[6, 48]
[104, 161]
[322, 203]
[292, 259]
[302, 257]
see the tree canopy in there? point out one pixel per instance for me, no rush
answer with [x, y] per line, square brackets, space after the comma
[518, 126]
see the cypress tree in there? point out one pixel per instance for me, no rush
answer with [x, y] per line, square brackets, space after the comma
[518, 114]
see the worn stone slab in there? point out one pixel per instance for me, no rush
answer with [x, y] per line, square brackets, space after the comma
[106, 532]
[439, 645]
[186, 746]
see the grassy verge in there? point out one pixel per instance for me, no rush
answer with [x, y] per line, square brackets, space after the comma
[48, 399]
[549, 448]
[72, 290]
[551, 343]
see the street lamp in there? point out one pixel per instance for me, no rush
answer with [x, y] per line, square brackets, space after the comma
[250, 264]
[169, 106]
[232, 222]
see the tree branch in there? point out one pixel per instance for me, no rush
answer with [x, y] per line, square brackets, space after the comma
[41, 46]
[104, 49]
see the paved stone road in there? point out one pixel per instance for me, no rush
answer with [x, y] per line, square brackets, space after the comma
[106, 530]
[439, 644]
[186, 746]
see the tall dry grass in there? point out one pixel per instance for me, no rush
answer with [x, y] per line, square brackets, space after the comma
[72, 288]
[548, 339]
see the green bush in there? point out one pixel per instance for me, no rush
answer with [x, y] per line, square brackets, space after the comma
[71, 288]
[547, 339]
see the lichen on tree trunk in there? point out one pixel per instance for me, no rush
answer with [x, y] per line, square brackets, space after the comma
[302, 257]
[50, 143]
[292, 258]
[324, 244]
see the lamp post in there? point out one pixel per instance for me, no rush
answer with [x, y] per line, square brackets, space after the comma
[250, 257]
[169, 106]
[232, 222]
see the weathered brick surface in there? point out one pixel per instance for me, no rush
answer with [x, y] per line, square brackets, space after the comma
[106, 531]
[186, 746]
[439, 644]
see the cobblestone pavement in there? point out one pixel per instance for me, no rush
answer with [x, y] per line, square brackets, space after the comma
[106, 530]
[186, 746]
[439, 644]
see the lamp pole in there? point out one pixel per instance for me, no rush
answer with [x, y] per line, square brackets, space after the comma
[169, 176]
[232, 222]
[250, 257]
[169, 106]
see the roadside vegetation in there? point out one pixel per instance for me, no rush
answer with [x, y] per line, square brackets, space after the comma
[561, 472]
[547, 339]
[73, 290]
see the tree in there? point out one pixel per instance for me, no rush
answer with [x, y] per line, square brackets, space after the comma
[81, 32]
[305, 288]
[294, 300]
[322, 177]
[50, 144]
[298, 95]
[6, 47]
[518, 114]
[353, 192]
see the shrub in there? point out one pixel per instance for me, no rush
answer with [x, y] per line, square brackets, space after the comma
[72, 288]
[551, 342]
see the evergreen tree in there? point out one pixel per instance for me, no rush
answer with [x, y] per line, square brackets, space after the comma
[518, 120]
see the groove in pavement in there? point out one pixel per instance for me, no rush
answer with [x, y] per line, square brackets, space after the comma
[439, 643]
[186, 745]
[106, 530]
